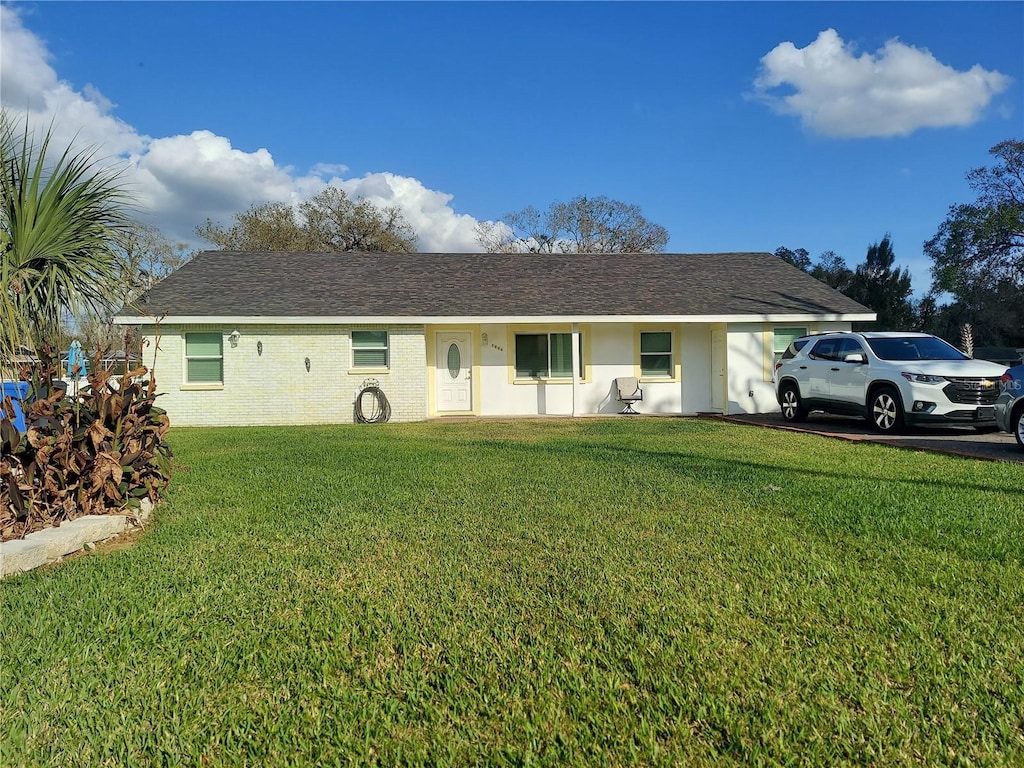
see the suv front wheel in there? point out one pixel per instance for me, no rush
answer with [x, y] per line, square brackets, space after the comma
[1017, 425]
[793, 408]
[885, 411]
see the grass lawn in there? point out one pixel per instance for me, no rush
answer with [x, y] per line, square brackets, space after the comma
[588, 592]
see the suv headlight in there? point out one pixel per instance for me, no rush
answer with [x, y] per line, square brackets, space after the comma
[922, 378]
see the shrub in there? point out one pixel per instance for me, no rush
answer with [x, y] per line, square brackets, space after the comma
[99, 450]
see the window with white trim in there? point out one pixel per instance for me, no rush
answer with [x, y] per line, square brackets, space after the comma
[546, 355]
[204, 358]
[656, 353]
[782, 338]
[370, 349]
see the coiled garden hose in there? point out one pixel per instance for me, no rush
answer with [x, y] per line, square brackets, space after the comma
[379, 410]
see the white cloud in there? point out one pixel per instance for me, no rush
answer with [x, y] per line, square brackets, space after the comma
[25, 70]
[893, 92]
[328, 169]
[183, 180]
[180, 181]
[29, 87]
[428, 211]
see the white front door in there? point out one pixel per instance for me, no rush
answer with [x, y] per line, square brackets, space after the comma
[454, 384]
[718, 371]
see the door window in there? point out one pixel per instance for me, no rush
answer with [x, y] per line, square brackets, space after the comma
[454, 360]
[826, 349]
[848, 347]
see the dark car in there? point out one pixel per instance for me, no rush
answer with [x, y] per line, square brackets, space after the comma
[1009, 406]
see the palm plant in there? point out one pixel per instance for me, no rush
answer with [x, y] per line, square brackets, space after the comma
[58, 221]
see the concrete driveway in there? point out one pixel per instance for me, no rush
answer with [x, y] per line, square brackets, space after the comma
[956, 441]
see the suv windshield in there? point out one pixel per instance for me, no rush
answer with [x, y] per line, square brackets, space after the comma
[915, 348]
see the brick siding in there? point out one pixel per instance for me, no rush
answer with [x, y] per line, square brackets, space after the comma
[274, 387]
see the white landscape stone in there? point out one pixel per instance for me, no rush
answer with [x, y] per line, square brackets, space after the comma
[51, 544]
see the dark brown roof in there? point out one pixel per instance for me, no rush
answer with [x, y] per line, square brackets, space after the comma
[461, 285]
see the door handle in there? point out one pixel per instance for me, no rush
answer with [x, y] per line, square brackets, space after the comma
[833, 369]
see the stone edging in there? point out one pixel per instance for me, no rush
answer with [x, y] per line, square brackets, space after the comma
[51, 544]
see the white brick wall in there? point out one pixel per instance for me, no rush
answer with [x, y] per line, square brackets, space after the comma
[275, 388]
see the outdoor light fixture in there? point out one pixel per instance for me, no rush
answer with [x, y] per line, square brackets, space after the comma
[307, 365]
[259, 348]
[483, 338]
[233, 337]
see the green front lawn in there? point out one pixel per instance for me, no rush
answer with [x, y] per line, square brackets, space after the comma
[589, 592]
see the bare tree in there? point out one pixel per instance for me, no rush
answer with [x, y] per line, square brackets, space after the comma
[146, 255]
[329, 221]
[581, 225]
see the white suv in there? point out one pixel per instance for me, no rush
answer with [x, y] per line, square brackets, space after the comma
[891, 379]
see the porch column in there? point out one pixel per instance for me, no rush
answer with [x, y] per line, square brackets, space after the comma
[575, 368]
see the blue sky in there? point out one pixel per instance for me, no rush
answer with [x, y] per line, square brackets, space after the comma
[737, 126]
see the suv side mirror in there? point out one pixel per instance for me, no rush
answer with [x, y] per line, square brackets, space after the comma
[855, 357]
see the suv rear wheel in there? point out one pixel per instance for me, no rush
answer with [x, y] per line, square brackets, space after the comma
[885, 411]
[793, 408]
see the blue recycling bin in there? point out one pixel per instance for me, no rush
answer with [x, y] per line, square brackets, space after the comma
[17, 391]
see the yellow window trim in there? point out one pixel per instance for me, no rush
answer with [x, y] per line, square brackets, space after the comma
[510, 351]
[677, 366]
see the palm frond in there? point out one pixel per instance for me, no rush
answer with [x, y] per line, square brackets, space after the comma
[58, 221]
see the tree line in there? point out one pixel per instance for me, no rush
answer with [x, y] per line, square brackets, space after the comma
[977, 269]
[977, 253]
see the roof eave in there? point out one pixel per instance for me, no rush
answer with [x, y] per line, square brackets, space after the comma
[780, 317]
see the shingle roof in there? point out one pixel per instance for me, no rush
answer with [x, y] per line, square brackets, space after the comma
[466, 285]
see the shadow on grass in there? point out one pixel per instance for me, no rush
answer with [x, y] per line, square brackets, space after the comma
[932, 512]
[946, 505]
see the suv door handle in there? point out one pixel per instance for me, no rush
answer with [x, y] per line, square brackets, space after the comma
[833, 369]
